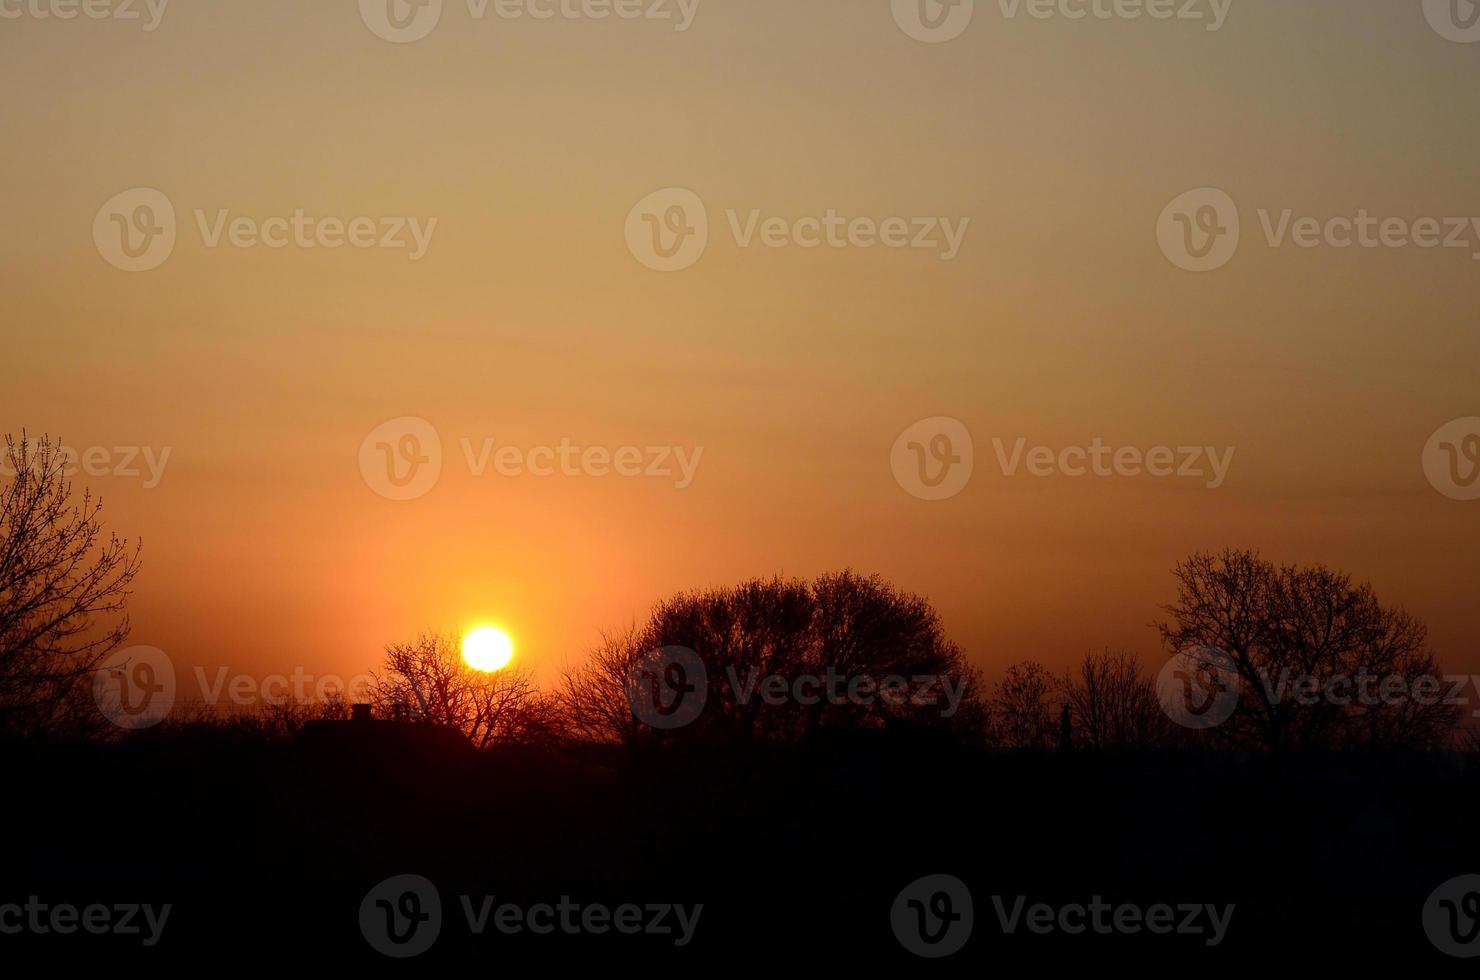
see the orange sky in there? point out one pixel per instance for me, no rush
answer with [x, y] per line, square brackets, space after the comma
[528, 321]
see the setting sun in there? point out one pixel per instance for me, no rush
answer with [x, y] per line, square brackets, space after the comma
[488, 649]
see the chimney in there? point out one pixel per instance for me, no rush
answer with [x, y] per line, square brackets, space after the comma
[359, 712]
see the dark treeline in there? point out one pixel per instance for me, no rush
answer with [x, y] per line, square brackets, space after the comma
[1296, 684]
[1297, 657]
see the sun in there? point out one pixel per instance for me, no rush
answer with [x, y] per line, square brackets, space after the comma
[488, 649]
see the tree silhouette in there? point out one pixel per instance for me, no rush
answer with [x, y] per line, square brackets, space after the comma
[593, 698]
[841, 625]
[1025, 708]
[1301, 639]
[1113, 705]
[428, 681]
[63, 589]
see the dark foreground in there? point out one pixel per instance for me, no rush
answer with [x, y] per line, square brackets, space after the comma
[268, 854]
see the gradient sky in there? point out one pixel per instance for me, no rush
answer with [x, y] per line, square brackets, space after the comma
[528, 321]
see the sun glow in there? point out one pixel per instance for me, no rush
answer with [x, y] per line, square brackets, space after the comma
[488, 649]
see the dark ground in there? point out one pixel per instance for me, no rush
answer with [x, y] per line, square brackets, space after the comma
[266, 851]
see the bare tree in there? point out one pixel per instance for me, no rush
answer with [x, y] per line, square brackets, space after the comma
[429, 681]
[794, 634]
[1025, 708]
[64, 584]
[1320, 661]
[1113, 704]
[743, 634]
[593, 697]
[866, 627]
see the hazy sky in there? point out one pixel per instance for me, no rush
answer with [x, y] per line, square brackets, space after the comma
[529, 321]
